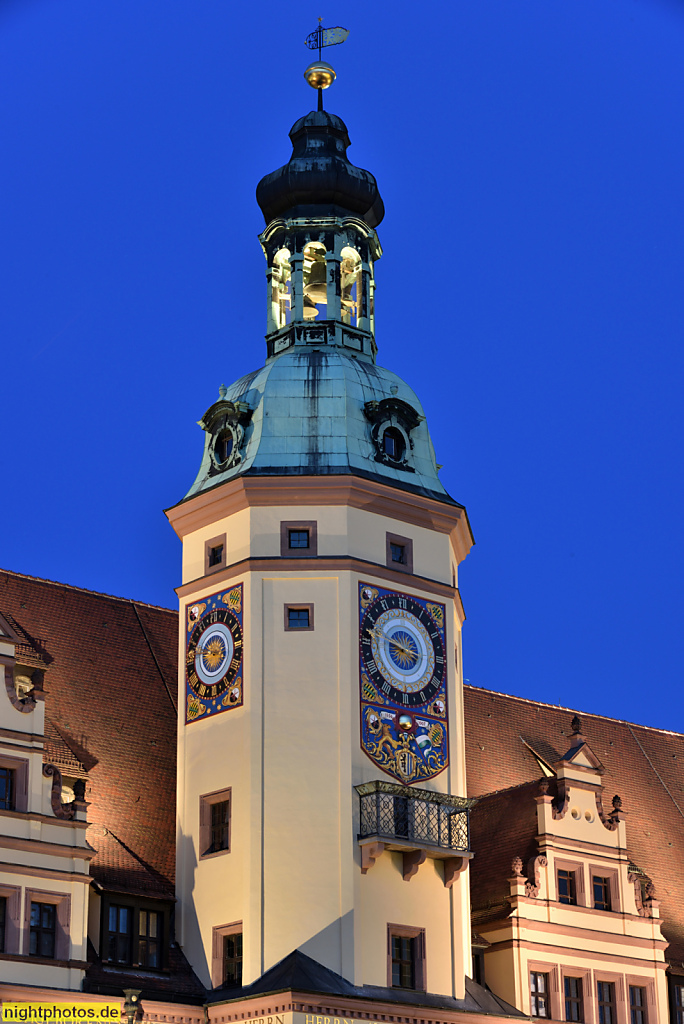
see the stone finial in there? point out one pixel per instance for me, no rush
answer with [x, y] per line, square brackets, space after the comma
[576, 724]
[617, 803]
[517, 867]
[543, 786]
[223, 391]
[650, 890]
[79, 790]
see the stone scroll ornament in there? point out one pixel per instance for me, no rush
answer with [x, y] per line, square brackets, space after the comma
[214, 654]
[403, 684]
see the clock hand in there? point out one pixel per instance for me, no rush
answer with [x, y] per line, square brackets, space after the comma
[382, 636]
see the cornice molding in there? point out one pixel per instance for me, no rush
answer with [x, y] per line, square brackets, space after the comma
[354, 491]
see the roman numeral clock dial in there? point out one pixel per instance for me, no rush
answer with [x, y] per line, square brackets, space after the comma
[404, 725]
[213, 658]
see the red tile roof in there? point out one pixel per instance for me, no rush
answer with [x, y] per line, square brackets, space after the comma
[110, 681]
[642, 765]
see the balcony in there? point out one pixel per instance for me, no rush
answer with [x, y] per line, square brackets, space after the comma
[417, 823]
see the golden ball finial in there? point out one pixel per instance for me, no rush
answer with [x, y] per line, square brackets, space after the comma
[320, 75]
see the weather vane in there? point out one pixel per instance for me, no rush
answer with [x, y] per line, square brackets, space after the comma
[320, 75]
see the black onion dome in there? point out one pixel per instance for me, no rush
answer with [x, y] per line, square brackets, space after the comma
[319, 173]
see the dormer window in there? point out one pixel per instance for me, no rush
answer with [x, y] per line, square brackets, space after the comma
[223, 448]
[393, 444]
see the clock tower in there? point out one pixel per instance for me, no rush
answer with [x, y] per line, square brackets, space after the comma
[321, 771]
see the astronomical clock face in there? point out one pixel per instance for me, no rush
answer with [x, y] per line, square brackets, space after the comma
[402, 656]
[213, 654]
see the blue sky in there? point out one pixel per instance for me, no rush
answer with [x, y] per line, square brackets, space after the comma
[529, 153]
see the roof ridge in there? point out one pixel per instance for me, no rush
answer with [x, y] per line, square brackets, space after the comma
[577, 711]
[86, 590]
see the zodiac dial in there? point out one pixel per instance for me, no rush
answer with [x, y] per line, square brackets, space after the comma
[214, 653]
[402, 650]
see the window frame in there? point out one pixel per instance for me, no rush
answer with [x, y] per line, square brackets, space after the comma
[162, 907]
[11, 939]
[419, 956]
[534, 994]
[643, 1008]
[298, 606]
[209, 545]
[207, 801]
[577, 867]
[601, 1004]
[407, 544]
[677, 987]
[611, 876]
[311, 526]
[218, 934]
[62, 904]
[20, 767]
[552, 995]
[581, 979]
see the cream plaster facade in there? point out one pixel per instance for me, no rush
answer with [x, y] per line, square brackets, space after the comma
[622, 945]
[45, 857]
[291, 755]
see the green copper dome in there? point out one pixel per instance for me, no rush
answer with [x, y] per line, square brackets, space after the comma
[316, 412]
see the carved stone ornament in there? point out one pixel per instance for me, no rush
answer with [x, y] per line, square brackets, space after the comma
[517, 867]
[534, 875]
[225, 422]
[392, 412]
[60, 810]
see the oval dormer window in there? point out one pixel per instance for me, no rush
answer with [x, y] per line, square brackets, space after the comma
[393, 444]
[223, 449]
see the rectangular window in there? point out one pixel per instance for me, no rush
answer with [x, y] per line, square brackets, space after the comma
[403, 962]
[606, 1002]
[3, 922]
[215, 816]
[149, 938]
[220, 826]
[398, 552]
[299, 616]
[637, 1004]
[232, 960]
[120, 934]
[7, 789]
[567, 892]
[601, 887]
[679, 1004]
[298, 539]
[539, 988]
[216, 555]
[43, 927]
[572, 989]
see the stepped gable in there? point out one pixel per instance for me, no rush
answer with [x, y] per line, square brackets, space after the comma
[641, 764]
[110, 672]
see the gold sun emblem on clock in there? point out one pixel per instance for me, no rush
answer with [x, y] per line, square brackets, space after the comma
[214, 653]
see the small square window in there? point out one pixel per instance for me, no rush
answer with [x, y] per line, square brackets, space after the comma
[298, 618]
[399, 552]
[601, 890]
[298, 539]
[539, 994]
[214, 554]
[567, 892]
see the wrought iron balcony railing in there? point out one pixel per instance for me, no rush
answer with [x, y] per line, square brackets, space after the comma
[404, 818]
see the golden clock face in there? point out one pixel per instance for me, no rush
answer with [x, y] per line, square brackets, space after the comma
[214, 653]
